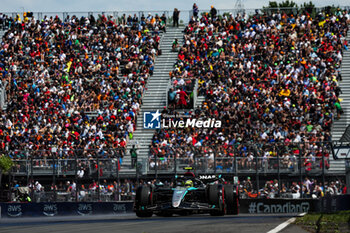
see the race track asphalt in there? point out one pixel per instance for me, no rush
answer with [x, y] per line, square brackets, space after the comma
[243, 223]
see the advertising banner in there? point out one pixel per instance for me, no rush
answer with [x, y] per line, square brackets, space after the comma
[48, 209]
[274, 206]
[250, 206]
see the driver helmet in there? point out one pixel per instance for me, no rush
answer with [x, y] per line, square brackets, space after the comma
[180, 183]
[189, 183]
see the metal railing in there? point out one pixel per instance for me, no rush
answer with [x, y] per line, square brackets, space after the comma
[185, 15]
[249, 159]
[282, 161]
[66, 167]
[235, 158]
[118, 16]
[346, 135]
[245, 154]
[82, 195]
[78, 166]
[59, 162]
[238, 165]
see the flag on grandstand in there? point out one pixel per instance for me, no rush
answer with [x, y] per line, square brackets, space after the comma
[321, 23]
[285, 92]
[69, 64]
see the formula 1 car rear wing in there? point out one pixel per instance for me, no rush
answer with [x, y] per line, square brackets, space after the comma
[211, 178]
[207, 178]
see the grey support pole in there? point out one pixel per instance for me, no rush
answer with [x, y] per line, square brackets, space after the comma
[300, 173]
[347, 168]
[278, 168]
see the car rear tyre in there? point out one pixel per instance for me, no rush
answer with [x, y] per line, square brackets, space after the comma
[142, 200]
[231, 200]
[144, 213]
[220, 208]
[166, 214]
[185, 213]
[215, 195]
[143, 196]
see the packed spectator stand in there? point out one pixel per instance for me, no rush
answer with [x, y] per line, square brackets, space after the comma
[125, 190]
[272, 79]
[61, 70]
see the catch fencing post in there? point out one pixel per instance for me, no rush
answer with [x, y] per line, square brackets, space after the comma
[300, 173]
[54, 155]
[175, 163]
[256, 166]
[323, 171]
[117, 165]
[214, 161]
[278, 167]
[347, 172]
[195, 161]
[27, 167]
[98, 178]
[155, 163]
[135, 163]
[75, 176]
[235, 160]
[31, 175]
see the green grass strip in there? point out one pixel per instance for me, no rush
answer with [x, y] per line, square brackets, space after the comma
[324, 223]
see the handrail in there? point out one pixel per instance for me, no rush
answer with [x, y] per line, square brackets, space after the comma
[185, 14]
[261, 146]
[169, 10]
[346, 135]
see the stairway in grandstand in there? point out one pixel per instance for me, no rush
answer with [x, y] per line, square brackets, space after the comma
[156, 93]
[340, 125]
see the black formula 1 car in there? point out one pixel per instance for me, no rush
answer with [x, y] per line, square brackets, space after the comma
[188, 195]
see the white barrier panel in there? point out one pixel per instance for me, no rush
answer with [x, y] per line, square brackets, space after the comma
[342, 152]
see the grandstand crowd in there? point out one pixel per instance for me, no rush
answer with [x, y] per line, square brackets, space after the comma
[126, 190]
[272, 79]
[62, 72]
[309, 188]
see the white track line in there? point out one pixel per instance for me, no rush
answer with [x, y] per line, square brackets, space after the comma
[284, 224]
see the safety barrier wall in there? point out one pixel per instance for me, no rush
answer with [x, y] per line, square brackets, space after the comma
[51, 209]
[274, 206]
[256, 206]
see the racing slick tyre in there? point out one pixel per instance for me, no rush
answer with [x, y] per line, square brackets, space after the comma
[185, 213]
[231, 200]
[166, 214]
[144, 213]
[213, 197]
[143, 196]
[216, 198]
[142, 200]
